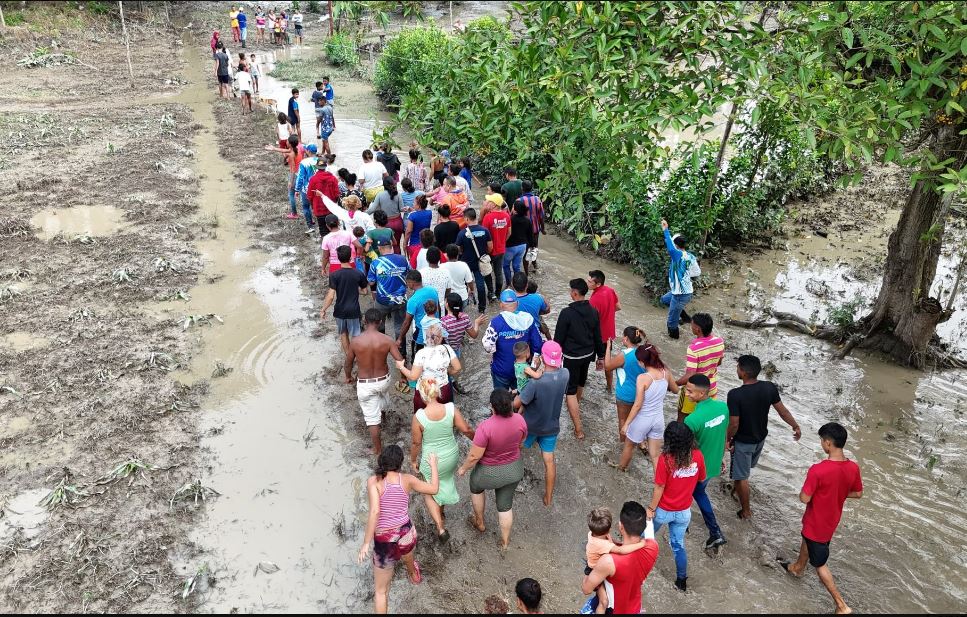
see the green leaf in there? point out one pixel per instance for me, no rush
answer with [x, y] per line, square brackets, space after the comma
[847, 37]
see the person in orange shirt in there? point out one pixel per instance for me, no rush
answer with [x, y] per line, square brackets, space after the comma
[456, 199]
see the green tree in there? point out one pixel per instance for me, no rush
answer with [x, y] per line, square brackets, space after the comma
[887, 82]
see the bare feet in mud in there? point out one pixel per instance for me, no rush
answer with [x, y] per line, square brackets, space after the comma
[547, 501]
[790, 568]
[579, 435]
[744, 515]
[478, 525]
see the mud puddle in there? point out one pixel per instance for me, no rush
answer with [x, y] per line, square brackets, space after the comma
[23, 341]
[24, 514]
[274, 456]
[94, 221]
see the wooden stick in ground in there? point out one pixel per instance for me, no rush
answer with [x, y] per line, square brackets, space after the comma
[127, 43]
[3, 21]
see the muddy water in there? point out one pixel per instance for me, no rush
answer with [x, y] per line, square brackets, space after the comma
[274, 457]
[906, 432]
[23, 341]
[93, 221]
[288, 456]
[23, 514]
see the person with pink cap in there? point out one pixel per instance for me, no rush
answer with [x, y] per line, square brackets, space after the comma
[541, 402]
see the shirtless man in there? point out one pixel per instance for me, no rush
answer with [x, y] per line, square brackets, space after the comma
[369, 351]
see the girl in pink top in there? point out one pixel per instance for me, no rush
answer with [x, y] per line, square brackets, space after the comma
[389, 527]
[336, 237]
[496, 446]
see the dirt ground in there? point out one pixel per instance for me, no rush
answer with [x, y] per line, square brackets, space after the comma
[92, 367]
[89, 389]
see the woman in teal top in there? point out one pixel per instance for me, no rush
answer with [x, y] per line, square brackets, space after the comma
[433, 434]
[628, 369]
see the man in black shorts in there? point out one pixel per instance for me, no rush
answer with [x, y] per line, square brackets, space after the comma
[579, 335]
[749, 424]
[222, 72]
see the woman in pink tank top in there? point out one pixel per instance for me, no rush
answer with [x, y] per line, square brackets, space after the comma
[389, 527]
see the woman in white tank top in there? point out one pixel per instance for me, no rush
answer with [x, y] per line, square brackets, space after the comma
[646, 419]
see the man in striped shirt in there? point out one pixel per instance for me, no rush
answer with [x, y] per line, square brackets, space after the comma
[704, 356]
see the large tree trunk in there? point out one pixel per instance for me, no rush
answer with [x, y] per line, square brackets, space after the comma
[904, 318]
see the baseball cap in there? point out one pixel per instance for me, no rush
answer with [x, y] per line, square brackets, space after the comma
[313, 148]
[552, 354]
[508, 295]
[384, 242]
[321, 162]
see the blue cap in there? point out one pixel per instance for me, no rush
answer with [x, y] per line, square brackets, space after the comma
[508, 295]
[313, 148]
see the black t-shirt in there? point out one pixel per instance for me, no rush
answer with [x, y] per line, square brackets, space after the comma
[390, 161]
[470, 235]
[751, 403]
[445, 233]
[521, 231]
[347, 282]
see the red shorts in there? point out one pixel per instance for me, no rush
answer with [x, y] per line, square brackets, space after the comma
[391, 545]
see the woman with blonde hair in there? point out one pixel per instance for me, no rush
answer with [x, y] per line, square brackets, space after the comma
[432, 430]
[351, 214]
[436, 361]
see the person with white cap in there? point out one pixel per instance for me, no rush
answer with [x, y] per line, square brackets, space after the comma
[507, 328]
[541, 401]
[681, 269]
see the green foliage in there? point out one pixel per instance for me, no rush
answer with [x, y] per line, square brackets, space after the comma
[312, 6]
[295, 5]
[15, 19]
[99, 8]
[410, 62]
[843, 318]
[341, 50]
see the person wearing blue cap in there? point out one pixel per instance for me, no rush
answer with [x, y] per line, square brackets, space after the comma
[504, 330]
[307, 168]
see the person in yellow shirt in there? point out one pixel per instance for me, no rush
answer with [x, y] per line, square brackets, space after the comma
[236, 33]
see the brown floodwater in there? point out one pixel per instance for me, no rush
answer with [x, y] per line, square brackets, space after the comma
[286, 445]
[92, 221]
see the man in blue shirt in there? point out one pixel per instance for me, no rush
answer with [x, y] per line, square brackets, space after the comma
[534, 304]
[679, 281]
[475, 242]
[327, 88]
[504, 330]
[242, 23]
[307, 168]
[387, 278]
[415, 312]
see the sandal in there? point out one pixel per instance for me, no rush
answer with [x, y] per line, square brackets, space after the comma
[444, 537]
[403, 388]
[419, 574]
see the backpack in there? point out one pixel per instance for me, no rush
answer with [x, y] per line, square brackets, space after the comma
[694, 270]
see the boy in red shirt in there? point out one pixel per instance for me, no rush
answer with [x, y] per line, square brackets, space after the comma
[828, 484]
[605, 301]
[497, 222]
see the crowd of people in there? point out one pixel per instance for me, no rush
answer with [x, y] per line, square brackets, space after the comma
[411, 236]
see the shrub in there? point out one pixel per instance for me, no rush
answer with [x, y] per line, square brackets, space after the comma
[410, 62]
[15, 19]
[312, 6]
[341, 50]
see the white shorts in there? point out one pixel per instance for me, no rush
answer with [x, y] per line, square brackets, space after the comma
[372, 398]
[646, 427]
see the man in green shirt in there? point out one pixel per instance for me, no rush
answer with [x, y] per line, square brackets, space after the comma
[709, 422]
[513, 188]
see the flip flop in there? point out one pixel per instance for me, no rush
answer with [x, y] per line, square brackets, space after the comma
[617, 466]
[403, 388]
[785, 566]
[444, 537]
[419, 574]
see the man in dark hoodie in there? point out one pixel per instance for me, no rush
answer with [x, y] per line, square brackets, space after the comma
[579, 335]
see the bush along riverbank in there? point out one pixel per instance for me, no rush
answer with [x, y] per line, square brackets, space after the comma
[607, 183]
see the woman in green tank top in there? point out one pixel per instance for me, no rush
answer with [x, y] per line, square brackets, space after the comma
[433, 434]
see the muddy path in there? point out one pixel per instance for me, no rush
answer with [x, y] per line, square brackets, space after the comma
[906, 431]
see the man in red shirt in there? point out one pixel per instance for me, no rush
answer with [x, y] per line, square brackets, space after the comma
[322, 183]
[828, 484]
[497, 222]
[624, 575]
[605, 301]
